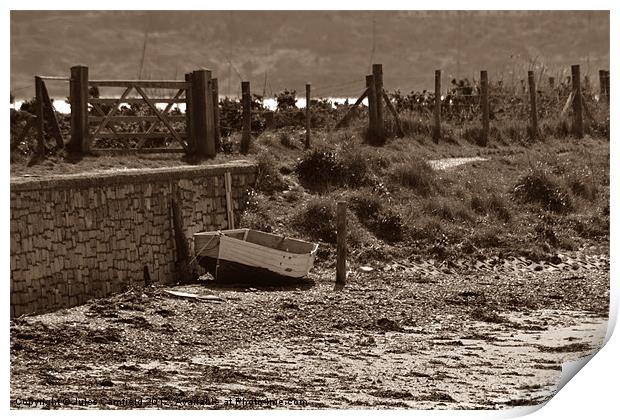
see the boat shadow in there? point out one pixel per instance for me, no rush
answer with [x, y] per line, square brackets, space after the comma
[274, 285]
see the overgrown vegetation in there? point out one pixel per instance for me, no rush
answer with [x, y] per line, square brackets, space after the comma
[533, 196]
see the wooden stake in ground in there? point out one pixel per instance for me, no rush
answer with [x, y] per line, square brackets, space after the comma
[377, 71]
[308, 87]
[50, 116]
[180, 242]
[38, 87]
[390, 107]
[246, 100]
[484, 104]
[577, 104]
[372, 108]
[601, 84]
[341, 258]
[533, 111]
[437, 115]
[607, 94]
[345, 119]
[230, 215]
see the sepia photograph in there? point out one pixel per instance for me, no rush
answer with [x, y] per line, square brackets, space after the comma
[306, 209]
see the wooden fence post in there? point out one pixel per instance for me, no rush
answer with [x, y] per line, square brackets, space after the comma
[308, 87]
[341, 258]
[268, 119]
[377, 72]
[577, 104]
[551, 83]
[607, 91]
[533, 112]
[39, 112]
[188, 115]
[246, 100]
[78, 96]
[202, 114]
[437, 126]
[215, 100]
[484, 103]
[372, 108]
[601, 84]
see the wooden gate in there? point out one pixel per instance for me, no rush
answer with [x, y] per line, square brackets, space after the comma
[95, 120]
[104, 119]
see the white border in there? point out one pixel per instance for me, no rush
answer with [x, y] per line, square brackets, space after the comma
[592, 394]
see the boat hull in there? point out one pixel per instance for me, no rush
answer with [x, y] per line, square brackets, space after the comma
[244, 256]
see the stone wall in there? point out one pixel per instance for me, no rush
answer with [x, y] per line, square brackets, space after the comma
[76, 237]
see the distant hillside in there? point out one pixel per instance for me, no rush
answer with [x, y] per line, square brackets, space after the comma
[276, 50]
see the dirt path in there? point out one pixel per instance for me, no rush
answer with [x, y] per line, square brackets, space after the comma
[447, 163]
[389, 339]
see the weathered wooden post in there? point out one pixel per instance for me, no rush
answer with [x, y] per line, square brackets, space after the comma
[607, 91]
[39, 112]
[78, 97]
[484, 104]
[246, 101]
[437, 120]
[268, 119]
[577, 104]
[533, 110]
[202, 114]
[551, 83]
[308, 87]
[215, 100]
[188, 114]
[372, 108]
[601, 84]
[377, 72]
[341, 258]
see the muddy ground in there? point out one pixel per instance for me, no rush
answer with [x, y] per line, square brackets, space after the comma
[389, 339]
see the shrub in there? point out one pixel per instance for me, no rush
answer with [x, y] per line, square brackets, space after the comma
[354, 168]
[324, 166]
[372, 212]
[416, 175]
[541, 187]
[474, 135]
[318, 169]
[492, 203]
[389, 226]
[448, 209]
[582, 184]
[268, 178]
[317, 218]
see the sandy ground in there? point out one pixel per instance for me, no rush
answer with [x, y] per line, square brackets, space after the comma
[389, 339]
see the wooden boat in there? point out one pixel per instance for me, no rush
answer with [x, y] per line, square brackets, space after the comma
[247, 256]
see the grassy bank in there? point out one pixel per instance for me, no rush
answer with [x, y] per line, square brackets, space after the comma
[532, 199]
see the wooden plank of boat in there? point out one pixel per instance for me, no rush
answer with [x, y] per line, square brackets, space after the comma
[254, 255]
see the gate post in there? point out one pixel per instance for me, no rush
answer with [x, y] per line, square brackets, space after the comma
[188, 115]
[78, 97]
[202, 114]
[215, 98]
